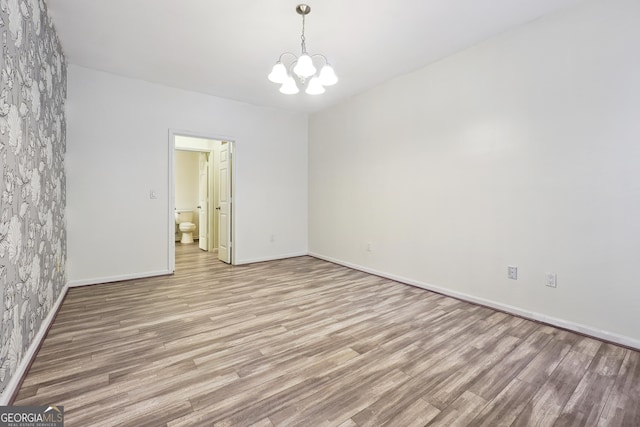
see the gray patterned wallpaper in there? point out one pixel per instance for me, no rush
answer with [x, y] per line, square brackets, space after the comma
[33, 240]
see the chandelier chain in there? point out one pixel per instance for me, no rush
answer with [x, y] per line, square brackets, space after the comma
[304, 44]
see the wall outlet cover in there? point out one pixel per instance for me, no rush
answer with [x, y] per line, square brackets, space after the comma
[512, 272]
[551, 280]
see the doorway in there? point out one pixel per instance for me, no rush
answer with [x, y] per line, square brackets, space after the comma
[203, 166]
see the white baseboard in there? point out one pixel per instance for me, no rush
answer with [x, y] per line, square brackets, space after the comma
[21, 371]
[270, 258]
[565, 324]
[109, 279]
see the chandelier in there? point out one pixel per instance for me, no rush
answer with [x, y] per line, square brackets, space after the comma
[302, 68]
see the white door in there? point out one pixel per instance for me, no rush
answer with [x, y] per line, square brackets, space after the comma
[203, 193]
[224, 207]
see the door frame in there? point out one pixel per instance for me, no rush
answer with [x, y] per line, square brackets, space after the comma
[171, 255]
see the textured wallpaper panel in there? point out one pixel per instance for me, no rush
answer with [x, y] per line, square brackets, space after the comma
[32, 179]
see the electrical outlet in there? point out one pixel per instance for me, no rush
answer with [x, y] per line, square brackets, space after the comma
[551, 280]
[272, 238]
[512, 272]
[369, 247]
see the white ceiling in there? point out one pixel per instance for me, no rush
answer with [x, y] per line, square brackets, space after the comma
[226, 48]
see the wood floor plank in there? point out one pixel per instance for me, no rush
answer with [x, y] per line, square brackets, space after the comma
[590, 396]
[587, 401]
[623, 407]
[301, 341]
[461, 412]
[547, 403]
[418, 413]
[468, 373]
[543, 365]
[493, 382]
[507, 406]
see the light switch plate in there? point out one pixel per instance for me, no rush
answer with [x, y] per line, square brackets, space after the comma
[551, 280]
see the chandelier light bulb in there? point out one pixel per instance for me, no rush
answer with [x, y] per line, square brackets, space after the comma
[304, 68]
[289, 87]
[278, 73]
[328, 76]
[314, 87]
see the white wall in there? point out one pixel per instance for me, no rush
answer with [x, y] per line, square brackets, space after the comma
[187, 180]
[117, 151]
[523, 150]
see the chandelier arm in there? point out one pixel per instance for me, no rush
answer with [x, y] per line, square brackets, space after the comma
[326, 61]
[287, 53]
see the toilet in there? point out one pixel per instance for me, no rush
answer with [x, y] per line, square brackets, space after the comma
[185, 225]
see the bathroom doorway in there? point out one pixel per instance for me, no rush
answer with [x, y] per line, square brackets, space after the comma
[201, 190]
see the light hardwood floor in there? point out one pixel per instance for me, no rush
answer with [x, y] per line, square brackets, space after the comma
[305, 342]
